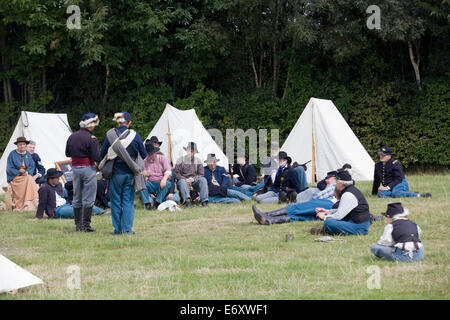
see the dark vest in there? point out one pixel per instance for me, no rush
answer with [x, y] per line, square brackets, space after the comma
[405, 231]
[361, 212]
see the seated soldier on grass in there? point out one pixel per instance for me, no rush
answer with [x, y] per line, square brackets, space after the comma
[52, 201]
[315, 193]
[349, 217]
[285, 186]
[400, 240]
[158, 172]
[389, 173]
[189, 172]
[219, 186]
[300, 211]
[246, 181]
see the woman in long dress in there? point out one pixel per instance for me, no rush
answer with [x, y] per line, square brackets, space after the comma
[19, 169]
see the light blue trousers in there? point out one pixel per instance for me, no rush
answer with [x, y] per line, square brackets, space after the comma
[399, 191]
[396, 255]
[121, 193]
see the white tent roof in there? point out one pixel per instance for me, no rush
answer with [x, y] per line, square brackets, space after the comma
[334, 142]
[184, 126]
[50, 131]
[13, 277]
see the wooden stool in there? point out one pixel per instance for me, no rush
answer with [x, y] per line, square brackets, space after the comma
[8, 198]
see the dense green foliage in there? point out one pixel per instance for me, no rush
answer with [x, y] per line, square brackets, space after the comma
[239, 63]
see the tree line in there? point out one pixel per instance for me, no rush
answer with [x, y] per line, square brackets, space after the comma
[239, 63]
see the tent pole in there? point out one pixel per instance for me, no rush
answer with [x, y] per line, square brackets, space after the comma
[313, 157]
[169, 148]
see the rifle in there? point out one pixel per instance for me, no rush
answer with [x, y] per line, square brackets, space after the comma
[230, 170]
[295, 164]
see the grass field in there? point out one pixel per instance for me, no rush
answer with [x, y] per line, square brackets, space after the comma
[222, 253]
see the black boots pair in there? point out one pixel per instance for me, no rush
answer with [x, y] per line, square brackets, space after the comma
[188, 203]
[271, 217]
[288, 197]
[154, 206]
[83, 219]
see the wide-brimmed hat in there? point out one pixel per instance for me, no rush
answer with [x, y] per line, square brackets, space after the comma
[211, 157]
[154, 139]
[283, 155]
[385, 151]
[344, 175]
[331, 174]
[191, 146]
[395, 210]
[150, 148]
[21, 139]
[53, 173]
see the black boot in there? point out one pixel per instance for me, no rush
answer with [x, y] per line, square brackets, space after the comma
[188, 203]
[260, 216]
[205, 204]
[283, 197]
[277, 212]
[78, 217]
[318, 231]
[155, 205]
[148, 206]
[87, 213]
[293, 197]
[279, 219]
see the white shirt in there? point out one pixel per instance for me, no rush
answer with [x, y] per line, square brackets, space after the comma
[59, 200]
[347, 204]
[387, 240]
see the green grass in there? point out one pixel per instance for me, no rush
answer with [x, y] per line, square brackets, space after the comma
[222, 253]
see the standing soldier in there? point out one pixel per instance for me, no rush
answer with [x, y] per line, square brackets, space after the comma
[82, 147]
[123, 184]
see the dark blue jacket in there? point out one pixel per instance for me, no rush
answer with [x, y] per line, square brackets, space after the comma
[221, 177]
[47, 199]
[39, 167]
[388, 174]
[220, 174]
[287, 179]
[82, 144]
[14, 163]
[136, 146]
[247, 174]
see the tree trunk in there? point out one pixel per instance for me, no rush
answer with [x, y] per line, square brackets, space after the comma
[286, 85]
[261, 56]
[7, 89]
[275, 49]
[105, 93]
[252, 61]
[415, 60]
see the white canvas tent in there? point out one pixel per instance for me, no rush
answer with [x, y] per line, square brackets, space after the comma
[322, 135]
[13, 277]
[50, 131]
[175, 128]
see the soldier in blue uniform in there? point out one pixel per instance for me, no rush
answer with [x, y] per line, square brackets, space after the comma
[39, 172]
[82, 147]
[389, 173]
[121, 188]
